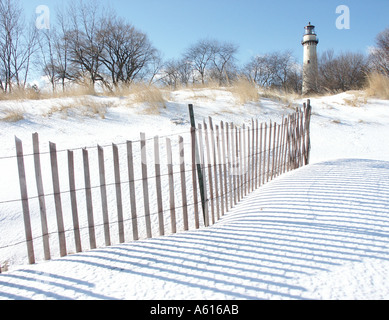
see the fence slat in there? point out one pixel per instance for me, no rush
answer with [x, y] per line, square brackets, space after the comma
[244, 160]
[269, 152]
[119, 202]
[230, 169]
[293, 142]
[303, 123]
[145, 185]
[284, 145]
[237, 163]
[223, 137]
[183, 183]
[281, 144]
[210, 177]
[213, 147]
[158, 186]
[197, 162]
[257, 155]
[41, 196]
[248, 160]
[297, 140]
[103, 192]
[24, 198]
[264, 154]
[89, 203]
[276, 166]
[202, 157]
[274, 149]
[234, 164]
[131, 179]
[260, 156]
[301, 139]
[254, 155]
[73, 201]
[220, 167]
[57, 199]
[308, 134]
[171, 185]
[194, 180]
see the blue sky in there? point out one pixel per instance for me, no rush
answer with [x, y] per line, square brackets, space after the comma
[256, 26]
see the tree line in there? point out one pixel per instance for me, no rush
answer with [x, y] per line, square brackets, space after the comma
[94, 47]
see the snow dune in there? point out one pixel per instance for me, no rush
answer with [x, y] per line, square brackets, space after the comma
[320, 232]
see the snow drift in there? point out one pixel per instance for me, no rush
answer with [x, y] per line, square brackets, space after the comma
[320, 232]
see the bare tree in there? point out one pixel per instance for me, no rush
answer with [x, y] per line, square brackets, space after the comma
[176, 72]
[154, 66]
[63, 68]
[257, 70]
[276, 69]
[281, 64]
[47, 46]
[171, 73]
[18, 41]
[223, 61]
[201, 55]
[347, 71]
[127, 52]
[85, 46]
[185, 71]
[379, 56]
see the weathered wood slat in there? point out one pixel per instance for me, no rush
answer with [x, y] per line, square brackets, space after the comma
[197, 162]
[57, 200]
[244, 160]
[264, 154]
[103, 193]
[248, 160]
[234, 164]
[131, 179]
[273, 151]
[24, 198]
[118, 188]
[202, 161]
[230, 168]
[89, 203]
[237, 164]
[258, 155]
[225, 164]
[213, 147]
[220, 167]
[145, 184]
[183, 184]
[269, 153]
[41, 196]
[210, 177]
[158, 186]
[254, 155]
[73, 202]
[171, 186]
[241, 165]
[194, 180]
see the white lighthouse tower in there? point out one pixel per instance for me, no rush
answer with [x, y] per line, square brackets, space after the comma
[310, 67]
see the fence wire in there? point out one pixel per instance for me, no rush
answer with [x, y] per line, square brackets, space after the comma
[282, 147]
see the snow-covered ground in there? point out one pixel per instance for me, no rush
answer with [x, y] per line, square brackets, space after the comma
[320, 232]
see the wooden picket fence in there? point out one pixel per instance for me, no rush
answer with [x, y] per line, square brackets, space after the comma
[200, 179]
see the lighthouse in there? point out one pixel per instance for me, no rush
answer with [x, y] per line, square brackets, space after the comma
[310, 67]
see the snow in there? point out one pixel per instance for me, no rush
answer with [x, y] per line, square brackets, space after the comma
[319, 232]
